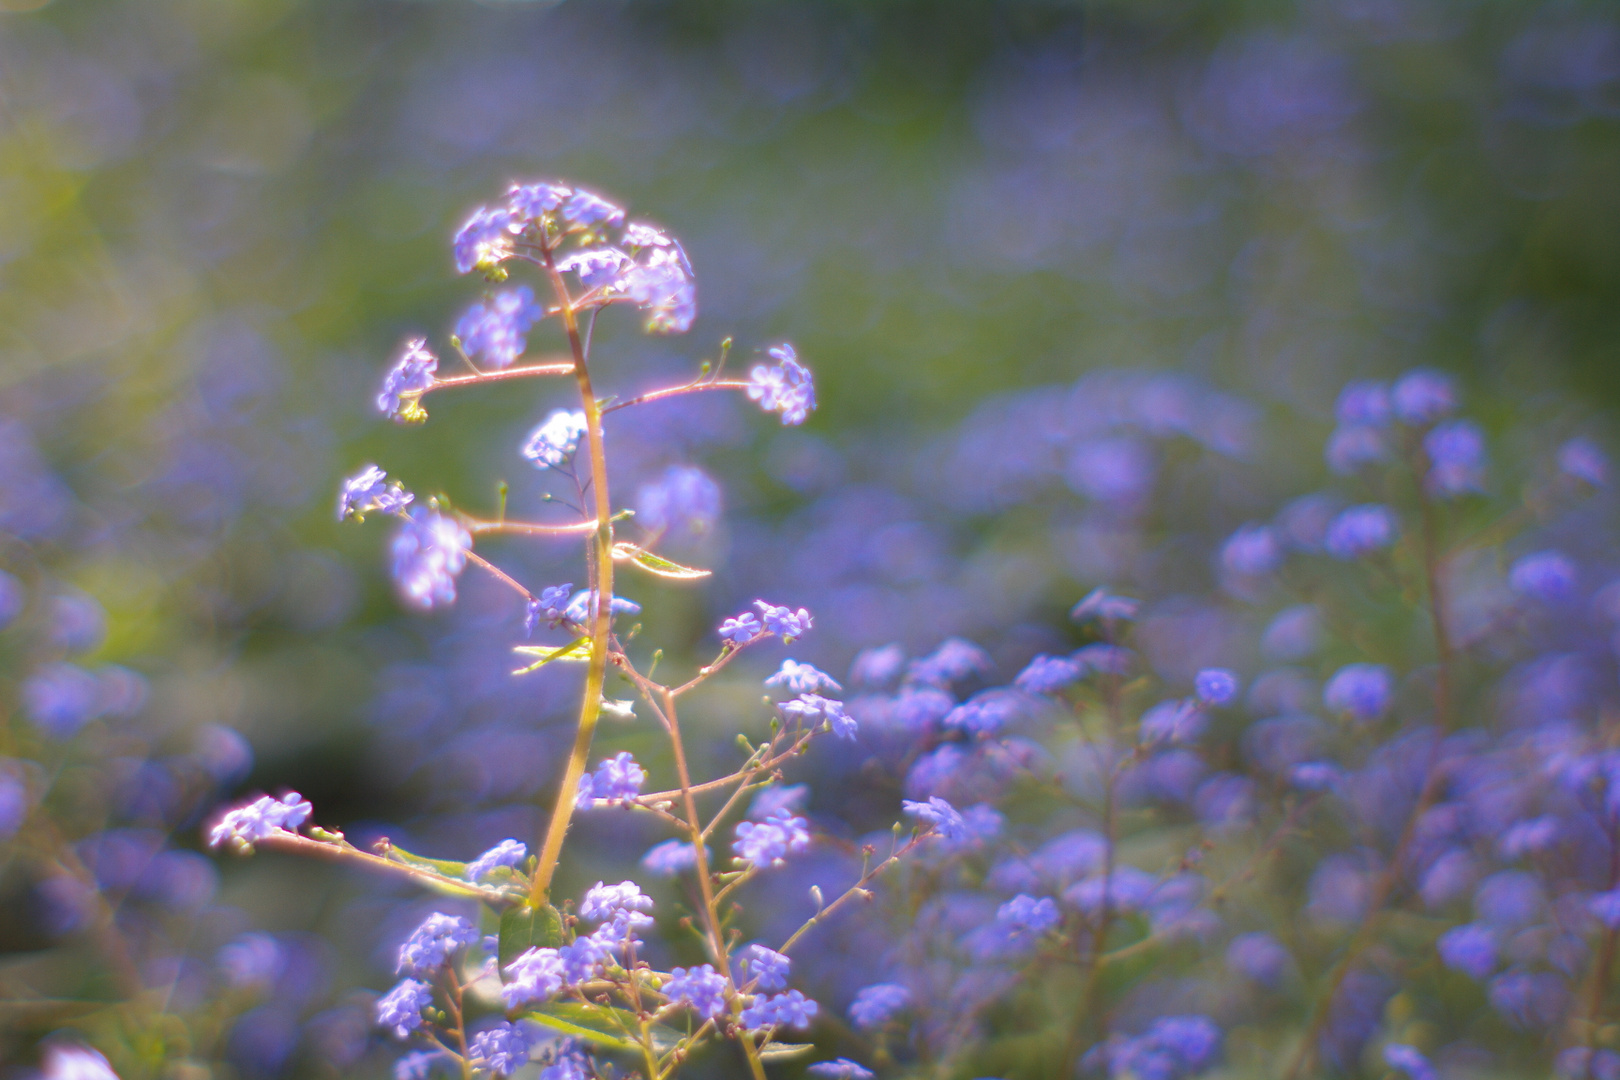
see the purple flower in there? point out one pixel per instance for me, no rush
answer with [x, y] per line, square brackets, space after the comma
[684, 500]
[1101, 604]
[1549, 576]
[1408, 1060]
[1252, 551]
[370, 491]
[785, 388]
[484, 240]
[534, 201]
[803, 678]
[585, 208]
[919, 708]
[660, 282]
[784, 622]
[770, 842]
[1364, 691]
[495, 330]
[400, 1010]
[432, 943]
[429, 550]
[69, 1062]
[13, 800]
[401, 396]
[1470, 949]
[1364, 402]
[878, 667]
[505, 853]
[1605, 907]
[257, 820]
[1351, 447]
[1359, 531]
[670, 858]
[61, 698]
[579, 609]
[987, 713]
[1510, 900]
[767, 968]
[500, 1049]
[596, 267]
[1422, 396]
[1049, 675]
[811, 709]
[551, 605]
[944, 817]
[700, 987]
[1215, 686]
[554, 443]
[954, 659]
[740, 629]
[875, 1005]
[622, 907]
[1584, 1063]
[252, 960]
[1529, 1000]
[1175, 721]
[791, 1009]
[533, 975]
[617, 779]
[1582, 459]
[840, 1069]
[1258, 956]
[1456, 451]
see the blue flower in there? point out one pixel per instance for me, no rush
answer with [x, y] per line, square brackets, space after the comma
[1584, 1063]
[1049, 675]
[1423, 396]
[1362, 690]
[551, 605]
[1252, 551]
[955, 659]
[770, 842]
[533, 975]
[259, 819]
[1215, 686]
[1470, 949]
[429, 550]
[506, 853]
[370, 491]
[400, 1010]
[785, 388]
[622, 905]
[791, 1009]
[1529, 1000]
[700, 987]
[660, 282]
[579, 608]
[684, 500]
[495, 330]
[554, 443]
[944, 817]
[670, 858]
[61, 698]
[484, 240]
[987, 713]
[1549, 576]
[1359, 531]
[878, 667]
[1582, 459]
[811, 709]
[500, 1049]
[840, 1069]
[431, 944]
[1409, 1060]
[741, 629]
[766, 967]
[535, 201]
[1456, 451]
[1364, 402]
[803, 678]
[875, 1005]
[1100, 604]
[585, 208]
[1175, 721]
[784, 622]
[1351, 447]
[617, 779]
[403, 386]
[1258, 956]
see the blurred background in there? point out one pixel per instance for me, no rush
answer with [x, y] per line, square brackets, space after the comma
[220, 219]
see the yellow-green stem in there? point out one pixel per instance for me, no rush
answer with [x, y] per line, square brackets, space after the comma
[601, 591]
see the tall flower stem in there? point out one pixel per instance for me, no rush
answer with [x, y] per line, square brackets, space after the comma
[601, 597]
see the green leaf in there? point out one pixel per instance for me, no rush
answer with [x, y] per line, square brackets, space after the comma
[602, 1025]
[784, 1051]
[657, 564]
[524, 927]
[578, 649]
[447, 876]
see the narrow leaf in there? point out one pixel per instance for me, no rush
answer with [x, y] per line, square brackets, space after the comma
[446, 876]
[656, 564]
[784, 1051]
[578, 649]
[524, 927]
[602, 1025]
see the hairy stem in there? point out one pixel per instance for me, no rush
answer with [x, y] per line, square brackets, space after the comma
[601, 594]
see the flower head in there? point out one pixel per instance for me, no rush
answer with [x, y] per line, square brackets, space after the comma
[411, 376]
[875, 1005]
[551, 606]
[785, 387]
[683, 501]
[554, 443]
[944, 817]
[495, 330]
[791, 1009]
[484, 240]
[431, 944]
[506, 853]
[770, 842]
[1423, 396]
[500, 1049]
[1359, 531]
[400, 1010]
[766, 968]
[1364, 691]
[811, 709]
[429, 550]
[1548, 576]
[803, 678]
[1456, 451]
[617, 779]
[740, 629]
[1215, 686]
[700, 987]
[784, 622]
[370, 491]
[259, 819]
